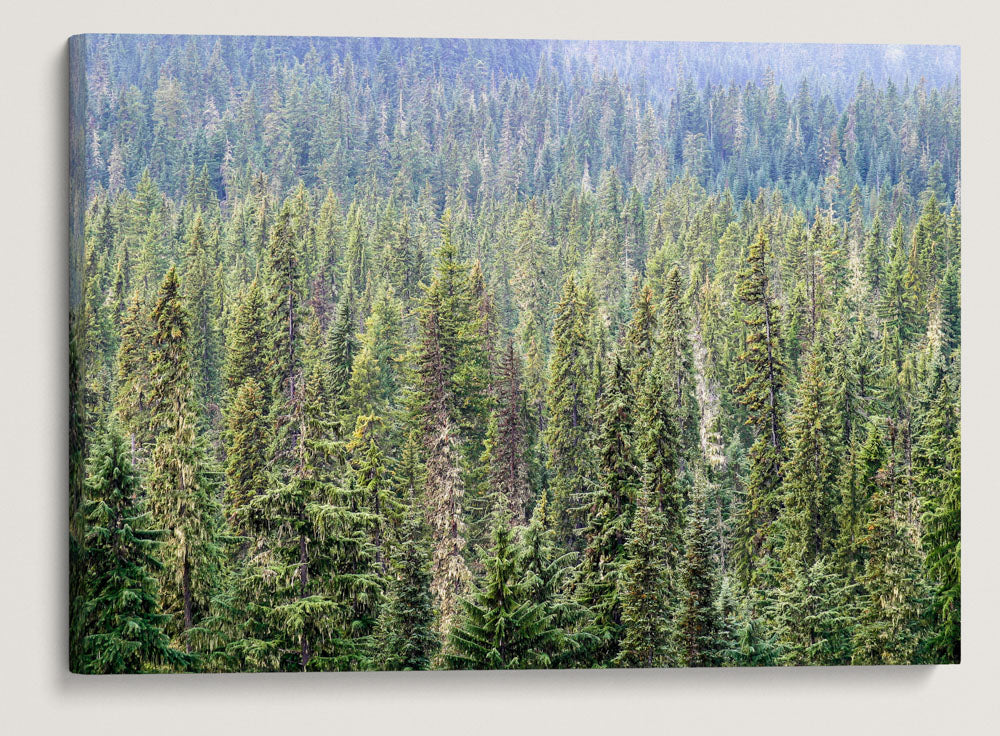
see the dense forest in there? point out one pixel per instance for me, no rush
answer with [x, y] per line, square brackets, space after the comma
[422, 354]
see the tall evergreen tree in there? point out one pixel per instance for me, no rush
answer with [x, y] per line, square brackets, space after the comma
[283, 311]
[247, 468]
[657, 449]
[375, 483]
[181, 478]
[937, 470]
[246, 353]
[198, 277]
[500, 626]
[812, 472]
[125, 631]
[508, 447]
[569, 406]
[761, 393]
[677, 355]
[324, 585]
[341, 349]
[643, 590]
[887, 627]
[697, 625]
[609, 513]
[406, 633]
[133, 374]
[450, 385]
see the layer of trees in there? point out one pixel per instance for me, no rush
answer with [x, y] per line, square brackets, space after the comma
[412, 354]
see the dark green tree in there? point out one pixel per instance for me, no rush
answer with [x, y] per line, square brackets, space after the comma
[500, 627]
[568, 401]
[246, 350]
[762, 393]
[644, 591]
[182, 486]
[609, 513]
[125, 630]
[697, 624]
[507, 448]
[247, 468]
[406, 634]
[937, 471]
[887, 627]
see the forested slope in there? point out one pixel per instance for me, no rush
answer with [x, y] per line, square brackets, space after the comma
[495, 354]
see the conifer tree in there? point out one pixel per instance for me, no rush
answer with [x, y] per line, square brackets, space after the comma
[643, 590]
[812, 471]
[133, 394]
[748, 640]
[937, 470]
[697, 626]
[897, 308]
[325, 588]
[568, 401]
[283, 309]
[813, 614]
[507, 450]
[246, 353]
[887, 627]
[341, 349]
[443, 496]
[406, 633]
[124, 626]
[761, 393]
[500, 626]
[548, 576]
[677, 355]
[375, 380]
[375, 483]
[657, 451]
[875, 257]
[532, 268]
[181, 485]
[450, 384]
[859, 486]
[951, 310]
[198, 276]
[609, 512]
[641, 335]
[247, 467]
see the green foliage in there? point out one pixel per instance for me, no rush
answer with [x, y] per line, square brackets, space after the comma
[246, 454]
[761, 393]
[500, 627]
[937, 470]
[887, 626]
[814, 614]
[698, 627]
[246, 351]
[569, 411]
[124, 625]
[644, 592]
[507, 446]
[695, 345]
[182, 486]
[407, 639]
[609, 513]
[812, 471]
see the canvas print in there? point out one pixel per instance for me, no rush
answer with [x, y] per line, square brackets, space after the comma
[410, 354]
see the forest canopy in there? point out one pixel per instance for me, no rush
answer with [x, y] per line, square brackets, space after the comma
[493, 354]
